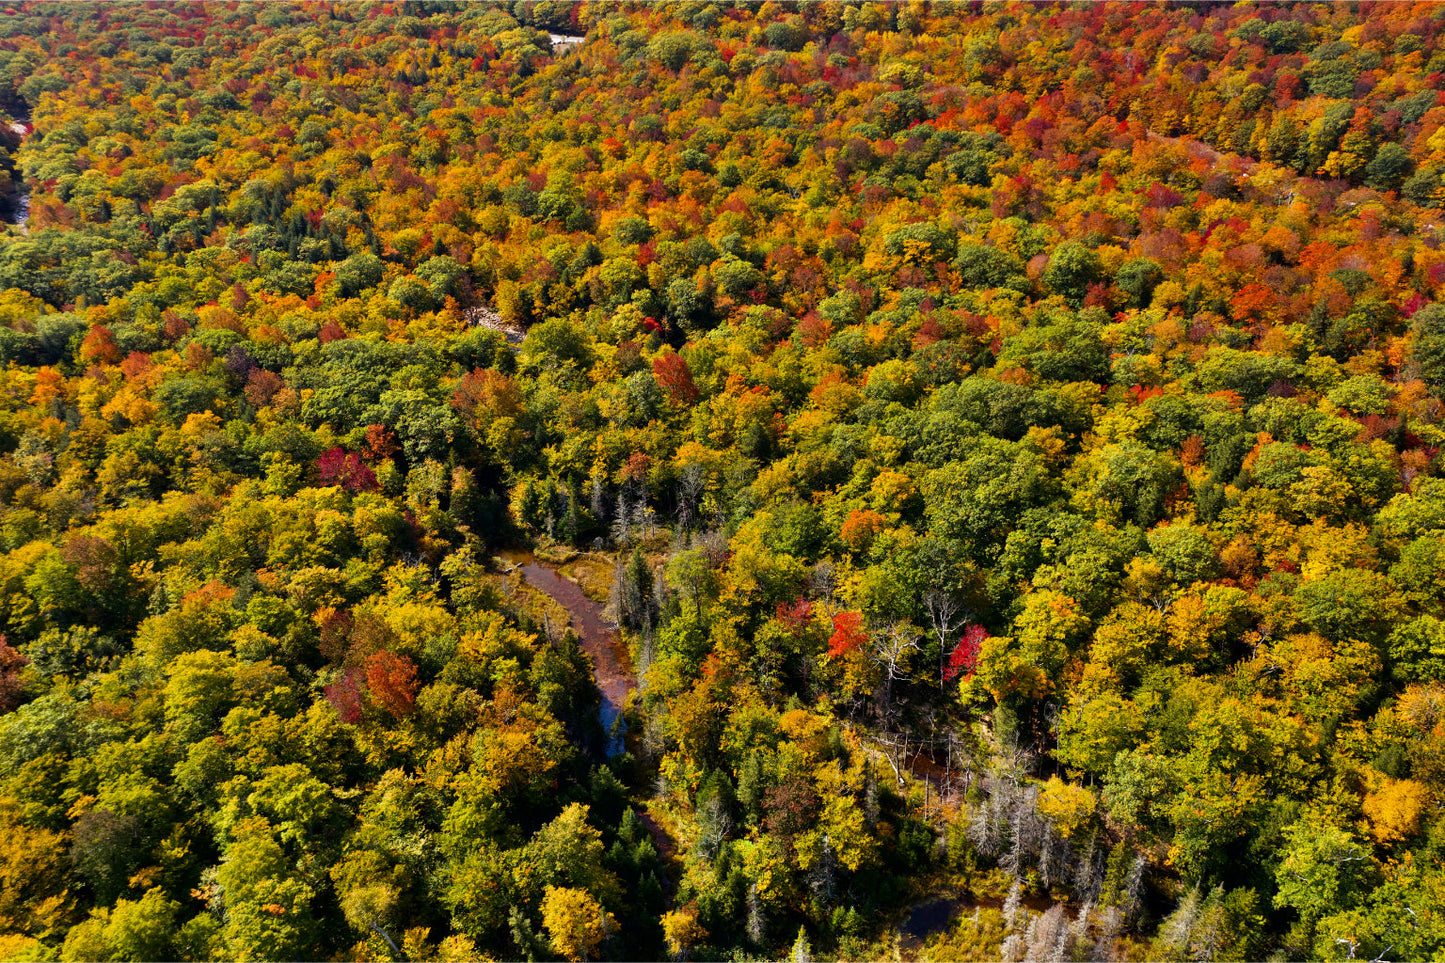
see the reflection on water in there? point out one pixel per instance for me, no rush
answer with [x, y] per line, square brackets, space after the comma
[611, 663]
[927, 919]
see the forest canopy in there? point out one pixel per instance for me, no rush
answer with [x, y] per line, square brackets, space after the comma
[1007, 437]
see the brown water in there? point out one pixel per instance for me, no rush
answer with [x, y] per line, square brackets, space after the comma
[599, 638]
[926, 919]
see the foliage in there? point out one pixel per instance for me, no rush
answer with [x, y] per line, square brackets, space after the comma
[1045, 398]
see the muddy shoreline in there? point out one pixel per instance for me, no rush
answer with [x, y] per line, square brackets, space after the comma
[598, 637]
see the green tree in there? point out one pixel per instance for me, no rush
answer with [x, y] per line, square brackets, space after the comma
[1323, 870]
[268, 909]
[1428, 328]
[1071, 270]
[144, 929]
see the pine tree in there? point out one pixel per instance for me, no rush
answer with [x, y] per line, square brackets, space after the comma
[802, 950]
[572, 529]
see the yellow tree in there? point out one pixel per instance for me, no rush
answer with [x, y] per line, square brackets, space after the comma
[575, 922]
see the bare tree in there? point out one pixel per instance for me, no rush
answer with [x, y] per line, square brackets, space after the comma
[1088, 873]
[1053, 856]
[631, 600]
[655, 743]
[646, 655]
[1207, 939]
[714, 824]
[823, 877]
[1133, 887]
[1079, 931]
[690, 484]
[757, 923]
[1048, 935]
[871, 806]
[660, 589]
[714, 546]
[616, 607]
[1013, 911]
[944, 615]
[895, 751]
[645, 518]
[1026, 832]
[599, 499]
[823, 586]
[1195, 929]
[549, 627]
[891, 652]
[622, 523]
[991, 826]
[1111, 924]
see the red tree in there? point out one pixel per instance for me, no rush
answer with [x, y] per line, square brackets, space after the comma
[796, 616]
[637, 465]
[860, 527]
[94, 560]
[335, 635]
[790, 807]
[261, 386]
[347, 696]
[336, 467]
[391, 678]
[11, 686]
[813, 330]
[380, 443]
[965, 654]
[136, 364]
[848, 634]
[675, 377]
[99, 346]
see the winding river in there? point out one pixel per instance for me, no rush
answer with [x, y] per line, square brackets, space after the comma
[15, 198]
[612, 667]
[611, 662]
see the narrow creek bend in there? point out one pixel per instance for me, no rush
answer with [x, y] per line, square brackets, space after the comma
[611, 662]
[14, 191]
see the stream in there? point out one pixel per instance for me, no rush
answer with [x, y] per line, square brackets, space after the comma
[611, 662]
[612, 668]
[15, 206]
[15, 195]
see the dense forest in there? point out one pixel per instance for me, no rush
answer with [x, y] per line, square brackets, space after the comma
[1008, 438]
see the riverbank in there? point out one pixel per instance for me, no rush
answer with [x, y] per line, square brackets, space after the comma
[577, 584]
[598, 637]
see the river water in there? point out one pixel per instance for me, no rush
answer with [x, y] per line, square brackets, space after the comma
[612, 668]
[599, 638]
[15, 206]
[15, 202]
